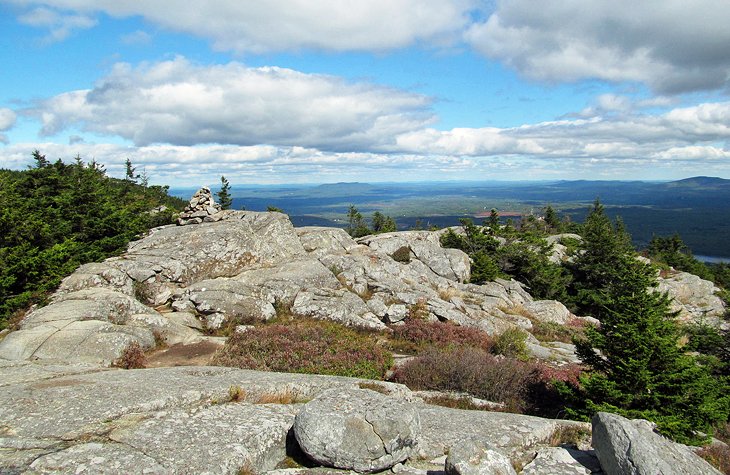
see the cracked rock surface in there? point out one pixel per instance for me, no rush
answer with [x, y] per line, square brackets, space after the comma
[357, 429]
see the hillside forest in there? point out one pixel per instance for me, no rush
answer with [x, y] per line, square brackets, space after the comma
[638, 362]
[56, 216]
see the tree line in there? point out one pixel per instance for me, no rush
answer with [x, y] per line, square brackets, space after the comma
[55, 216]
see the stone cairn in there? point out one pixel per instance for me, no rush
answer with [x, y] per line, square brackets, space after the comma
[201, 209]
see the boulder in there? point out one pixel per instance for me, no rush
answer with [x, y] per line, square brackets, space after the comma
[631, 447]
[549, 311]
[693, 297]
[473, 458]
[357, 429]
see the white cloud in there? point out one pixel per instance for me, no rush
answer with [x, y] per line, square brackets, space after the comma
[60, 26]
[137, 37]
[672, 45]
[7, 119]
[7, 122]
[180, 103]
[276, 25]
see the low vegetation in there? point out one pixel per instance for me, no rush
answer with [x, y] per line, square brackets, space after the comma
[133, 357]
[304, 346]
[416, 335]
[473, 371]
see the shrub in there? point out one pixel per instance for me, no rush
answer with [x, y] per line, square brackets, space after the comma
[416, 335]
[718, 456]
[551, 331]
[470, 370]
[402, 254]
[419, 310]
[573, 435]
[314, 347]
[512, 343]
[131, 358]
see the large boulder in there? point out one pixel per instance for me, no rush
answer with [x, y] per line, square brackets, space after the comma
[693, 297]
[473, 458]
[357, 429]
[631, 447]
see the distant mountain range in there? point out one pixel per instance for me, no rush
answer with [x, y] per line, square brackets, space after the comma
[698, 208]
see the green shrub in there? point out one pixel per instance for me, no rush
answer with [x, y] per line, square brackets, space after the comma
[315, 347]
[512, 343]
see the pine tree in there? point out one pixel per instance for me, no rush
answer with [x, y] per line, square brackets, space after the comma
[551, 218]
[130, 174]
[224, 195]
[356, 226]
[637, 366]
[493, 221]
[40, 160]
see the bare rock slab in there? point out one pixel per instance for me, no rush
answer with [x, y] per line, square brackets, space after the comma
[631, 447]
[357, 429]
[473, 458]
[217, 439]
[563, 461]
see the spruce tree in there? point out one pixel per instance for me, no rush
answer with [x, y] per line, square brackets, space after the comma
[636, 364]
[224, 195]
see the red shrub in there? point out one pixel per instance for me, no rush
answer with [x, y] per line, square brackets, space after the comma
[316, 347]
[417, 334]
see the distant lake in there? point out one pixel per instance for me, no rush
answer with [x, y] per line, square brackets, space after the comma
[712, 259]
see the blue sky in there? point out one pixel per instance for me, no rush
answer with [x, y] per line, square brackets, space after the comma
[285, 91]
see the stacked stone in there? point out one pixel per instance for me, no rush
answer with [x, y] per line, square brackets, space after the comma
[201, 209]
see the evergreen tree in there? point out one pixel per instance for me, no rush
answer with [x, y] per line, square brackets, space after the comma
[356, 226]
[129, 174]
[224, 195]
[493, 220]
[551, 219]
[637, 367]
[40, 160]
[382, 223]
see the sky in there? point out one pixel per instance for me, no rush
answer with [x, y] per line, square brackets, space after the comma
[288, 91]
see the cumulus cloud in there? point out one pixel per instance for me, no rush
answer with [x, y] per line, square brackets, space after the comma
[204, 164]
[7, 118]
[181, 103]
[7, 121]
[626, 136]
[276, 25]
[671, 45]
[60, 26]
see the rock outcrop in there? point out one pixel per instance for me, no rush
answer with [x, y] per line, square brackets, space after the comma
[694, 298]
[245, 266]
[85, 419]
[631, 447]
